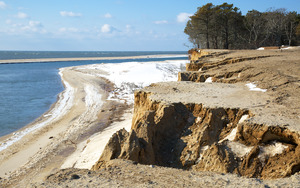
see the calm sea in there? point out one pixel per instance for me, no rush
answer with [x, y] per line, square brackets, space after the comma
[28, 90]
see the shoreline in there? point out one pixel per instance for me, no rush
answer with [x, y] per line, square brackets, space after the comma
[41, 128]
[45, 118]
[48, 135]
[88, 104]
[45, 60]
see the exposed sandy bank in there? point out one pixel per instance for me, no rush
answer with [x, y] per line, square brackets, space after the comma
[89, 151]
[217, 95]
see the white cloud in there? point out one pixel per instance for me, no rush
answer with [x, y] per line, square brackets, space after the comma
[22, 15]
[183, 17]
[34, 26]
[161, 22]
[2, 5]
[128, 27]
[107, 15]
[106, 28]
[8, 21]
[68, 29]
[70, 14]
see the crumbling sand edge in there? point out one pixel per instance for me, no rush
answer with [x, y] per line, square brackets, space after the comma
[160, 115]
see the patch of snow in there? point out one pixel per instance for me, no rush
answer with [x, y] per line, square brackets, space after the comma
[92, 95]
[261, 48]
[252, 87]
[198, 119]
[229, 137]
[130, 76]
[232, 135]
[243, 118]
[202, 149]
[208, 80]
[271, 150]
[239, 149]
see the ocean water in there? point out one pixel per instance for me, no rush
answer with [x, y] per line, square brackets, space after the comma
[28, 90]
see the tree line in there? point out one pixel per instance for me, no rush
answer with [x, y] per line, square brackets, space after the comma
[224, 26]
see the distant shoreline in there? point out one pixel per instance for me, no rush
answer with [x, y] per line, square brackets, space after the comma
[43, 60]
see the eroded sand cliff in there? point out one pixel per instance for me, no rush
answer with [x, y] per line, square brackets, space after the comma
[219, 127]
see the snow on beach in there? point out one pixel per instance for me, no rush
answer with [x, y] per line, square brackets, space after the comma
[253, 87]
[127, 77]
[130, 76]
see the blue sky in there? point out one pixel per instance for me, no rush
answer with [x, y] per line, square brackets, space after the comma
[104, 25]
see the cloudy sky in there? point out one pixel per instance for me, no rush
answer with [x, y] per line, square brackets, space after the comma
[105, 25]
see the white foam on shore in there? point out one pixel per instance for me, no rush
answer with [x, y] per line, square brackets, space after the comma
[252, 87]
[61, 107]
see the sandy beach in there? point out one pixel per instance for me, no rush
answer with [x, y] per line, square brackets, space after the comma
[96, 102]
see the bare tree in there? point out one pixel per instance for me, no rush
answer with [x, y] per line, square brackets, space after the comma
[290, 26]
[254, 23]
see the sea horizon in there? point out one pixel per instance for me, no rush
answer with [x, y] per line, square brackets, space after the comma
[31, 54]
